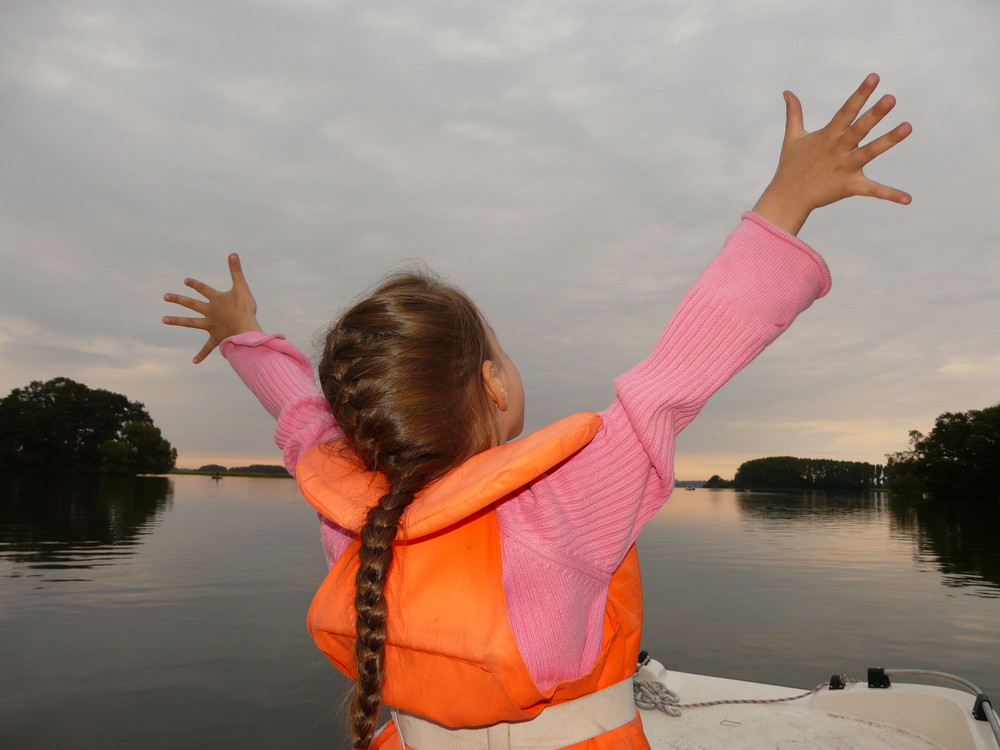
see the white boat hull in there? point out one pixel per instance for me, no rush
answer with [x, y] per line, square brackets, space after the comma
[901, 717]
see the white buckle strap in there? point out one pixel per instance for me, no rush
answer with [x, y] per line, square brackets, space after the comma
[554, 728]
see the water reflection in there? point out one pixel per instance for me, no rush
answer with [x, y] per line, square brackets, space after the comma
[60, 524]
[957, 537]
[811, 506]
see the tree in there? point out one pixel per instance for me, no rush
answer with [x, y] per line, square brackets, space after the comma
[259, 469]
[141, 449]
[788, 472]
[716, 482]
[959, 457]
[61, 426]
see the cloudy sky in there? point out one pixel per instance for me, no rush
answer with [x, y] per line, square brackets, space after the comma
[572, 165]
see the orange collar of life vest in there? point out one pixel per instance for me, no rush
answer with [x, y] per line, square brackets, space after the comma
[334, 482]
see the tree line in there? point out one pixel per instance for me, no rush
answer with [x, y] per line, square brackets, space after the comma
[64, 427]
[959, 457]
[61, 426]
[276, 469]
[790, 473]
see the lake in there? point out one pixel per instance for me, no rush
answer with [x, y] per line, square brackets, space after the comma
[169, 612]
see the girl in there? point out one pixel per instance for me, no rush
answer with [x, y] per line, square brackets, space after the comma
[488, 590]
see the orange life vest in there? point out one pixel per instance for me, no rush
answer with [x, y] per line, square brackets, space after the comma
[450, 653]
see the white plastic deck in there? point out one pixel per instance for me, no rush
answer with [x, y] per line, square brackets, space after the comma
[903, 717]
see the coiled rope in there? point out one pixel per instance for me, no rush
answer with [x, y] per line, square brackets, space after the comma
[651, 695]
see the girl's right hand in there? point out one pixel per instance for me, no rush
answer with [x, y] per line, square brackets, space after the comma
[825, 166]
[225, 314]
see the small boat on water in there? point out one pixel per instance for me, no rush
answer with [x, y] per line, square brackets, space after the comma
[881, 713]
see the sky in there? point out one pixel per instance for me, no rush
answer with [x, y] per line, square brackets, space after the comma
[571, 165]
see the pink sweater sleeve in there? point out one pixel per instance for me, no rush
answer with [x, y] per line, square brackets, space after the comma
[281, 378]
[580, 519]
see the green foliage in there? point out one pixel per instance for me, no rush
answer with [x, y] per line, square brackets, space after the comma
[212, 467]
[61, 426]
[715, 482]
[259, 469]
[141, 449]
[960, 457]
[787, 472]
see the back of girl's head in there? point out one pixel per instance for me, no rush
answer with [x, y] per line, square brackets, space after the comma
[402, 370]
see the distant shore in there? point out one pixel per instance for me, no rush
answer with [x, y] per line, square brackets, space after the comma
[223, 474]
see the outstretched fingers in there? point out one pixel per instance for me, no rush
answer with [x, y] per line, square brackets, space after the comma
[199, 323]
[793, 117]
[867, 122]
[236, 271]
[195, 305]
[224, 314]
[202, 288]
[205, 350]
[884, 192]
[848, 113]
[882, 144]
[173, 320]
[856, 130]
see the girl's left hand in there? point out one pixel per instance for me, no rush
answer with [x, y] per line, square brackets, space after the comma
[225, 314]
[819, 168]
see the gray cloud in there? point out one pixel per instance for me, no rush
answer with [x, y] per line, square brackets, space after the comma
[572, 165]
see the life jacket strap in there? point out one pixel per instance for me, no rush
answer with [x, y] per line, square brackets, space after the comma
[555, 727]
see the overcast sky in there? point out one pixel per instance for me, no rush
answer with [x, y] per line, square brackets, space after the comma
[572, 165]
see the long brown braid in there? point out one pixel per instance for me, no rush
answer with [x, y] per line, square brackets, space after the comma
[402, 370]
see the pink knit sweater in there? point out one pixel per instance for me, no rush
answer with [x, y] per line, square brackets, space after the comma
[564, 535]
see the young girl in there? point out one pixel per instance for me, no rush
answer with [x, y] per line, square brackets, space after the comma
[489, 590]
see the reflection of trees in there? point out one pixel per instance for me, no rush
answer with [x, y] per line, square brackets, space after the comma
[72, 522]
[808, 507]
[960, 536]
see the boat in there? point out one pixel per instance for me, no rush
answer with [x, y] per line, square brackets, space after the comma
[880, 713]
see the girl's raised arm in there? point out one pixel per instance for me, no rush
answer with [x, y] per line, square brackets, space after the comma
[744, 300]
[275, 371]
[819, 168]
[224, 314]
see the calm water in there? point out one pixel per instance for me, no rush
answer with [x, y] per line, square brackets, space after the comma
[169, 613]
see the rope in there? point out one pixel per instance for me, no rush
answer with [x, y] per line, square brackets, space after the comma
[651, 695]
[656, 695]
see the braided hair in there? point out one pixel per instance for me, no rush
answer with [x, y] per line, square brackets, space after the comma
[402, 370]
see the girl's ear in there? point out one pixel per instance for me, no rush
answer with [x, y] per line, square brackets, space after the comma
[491, 379]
